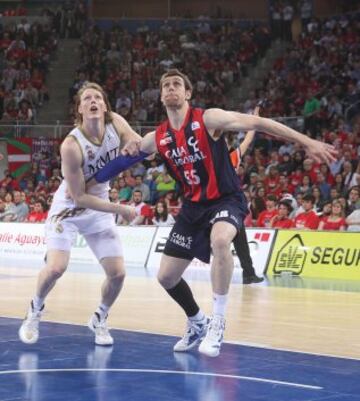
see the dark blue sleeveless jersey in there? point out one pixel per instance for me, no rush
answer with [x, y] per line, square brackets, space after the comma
[201, 164]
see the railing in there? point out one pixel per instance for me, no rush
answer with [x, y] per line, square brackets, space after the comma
[59, 131]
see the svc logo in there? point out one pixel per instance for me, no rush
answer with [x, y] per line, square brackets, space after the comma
[291, 257]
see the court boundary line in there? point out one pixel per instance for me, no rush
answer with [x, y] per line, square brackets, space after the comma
[164, 371]
[244, 344]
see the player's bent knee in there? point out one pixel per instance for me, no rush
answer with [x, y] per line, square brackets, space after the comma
[56, 271]
[220, 244]
[166, 280]
[118, 276]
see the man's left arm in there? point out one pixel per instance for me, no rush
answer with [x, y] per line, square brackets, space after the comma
[218, 119]
[130, 140]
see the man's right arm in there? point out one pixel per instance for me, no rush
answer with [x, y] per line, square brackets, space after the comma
[72, 167]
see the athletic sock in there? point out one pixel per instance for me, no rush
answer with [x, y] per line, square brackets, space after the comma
[198, 317]
[37, 303]
[102, 311]
[182, 294]
[219, 304]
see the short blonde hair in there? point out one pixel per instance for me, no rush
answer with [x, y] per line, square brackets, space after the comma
[91, 85]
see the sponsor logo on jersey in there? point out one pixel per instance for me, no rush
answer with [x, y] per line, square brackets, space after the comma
[166, 140]
[195, 125]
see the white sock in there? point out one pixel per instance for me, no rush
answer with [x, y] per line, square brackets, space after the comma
[199, 316]
[38, 303]
[102, 310]
[219, 304]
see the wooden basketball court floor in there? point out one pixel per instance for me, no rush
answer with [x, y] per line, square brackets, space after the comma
[286, 339]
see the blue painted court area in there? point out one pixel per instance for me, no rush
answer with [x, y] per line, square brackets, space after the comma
[65, 365]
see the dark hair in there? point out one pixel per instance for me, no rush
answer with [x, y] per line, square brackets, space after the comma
[174, 72]
[271, 197]
[287, 205]
[164, 215]
[309, 198]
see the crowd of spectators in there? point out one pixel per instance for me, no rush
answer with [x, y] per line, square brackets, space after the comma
[128, 65]
[318, 77]
[26, 49]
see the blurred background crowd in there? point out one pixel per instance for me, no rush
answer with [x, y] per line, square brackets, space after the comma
[313, 83]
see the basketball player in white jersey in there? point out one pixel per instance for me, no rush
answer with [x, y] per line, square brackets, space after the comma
[94, 141]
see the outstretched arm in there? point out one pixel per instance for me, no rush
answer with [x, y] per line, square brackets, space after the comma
[123, 162]
[218, 119]
[249, 137]
[130, 140]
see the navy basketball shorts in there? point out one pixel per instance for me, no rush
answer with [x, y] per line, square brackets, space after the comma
[190, 236]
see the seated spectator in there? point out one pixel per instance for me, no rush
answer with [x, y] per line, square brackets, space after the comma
[265, 216]
[282, 220]
[154, 170]
[353, 221]
[125, 190]
[307, 220]
[8, 201]
[353, 202]
[165, 183]
[38, 215]
[305, 186]
[323, 185]
[5, 215]
[316, 193]
[143, 210]
[19, 209]
[114, 197]
[162, 217]
[326, 210]
[336, 220]
[142, 187]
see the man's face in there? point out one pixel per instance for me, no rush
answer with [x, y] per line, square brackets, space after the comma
[353, 196]
[173, 92]
[114, 194]
[17, 197]
[92, 104]
[137, 197]
[307, 205]
[38, 207]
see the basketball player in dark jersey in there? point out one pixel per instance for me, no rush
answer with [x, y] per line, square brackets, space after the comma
[191, 144]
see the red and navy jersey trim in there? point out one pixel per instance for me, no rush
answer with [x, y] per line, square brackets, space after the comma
[201, 164]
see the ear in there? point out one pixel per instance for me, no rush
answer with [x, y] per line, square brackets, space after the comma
[187, 95]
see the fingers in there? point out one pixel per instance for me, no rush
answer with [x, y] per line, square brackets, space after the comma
[131, 148]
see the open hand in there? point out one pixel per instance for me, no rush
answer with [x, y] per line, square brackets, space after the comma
[321, 152]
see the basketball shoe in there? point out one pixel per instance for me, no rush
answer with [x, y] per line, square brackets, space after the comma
[29, 329]
[196, 330]
[99, 327]
[211, 343]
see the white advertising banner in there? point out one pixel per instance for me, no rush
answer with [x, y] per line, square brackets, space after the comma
[25, 242]
[260, 242]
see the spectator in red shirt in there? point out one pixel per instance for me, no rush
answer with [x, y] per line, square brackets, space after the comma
[336, 220]
[308, 220]
[143, 211]
[281, 220]
[38, 215]
[265, 217]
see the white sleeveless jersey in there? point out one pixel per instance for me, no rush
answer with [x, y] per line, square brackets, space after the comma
[94, 158]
